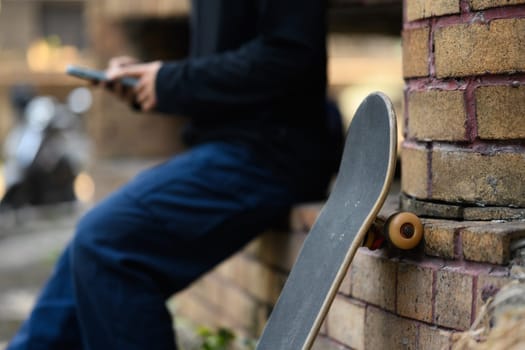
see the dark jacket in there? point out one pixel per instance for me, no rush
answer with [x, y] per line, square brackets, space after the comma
[256, 75]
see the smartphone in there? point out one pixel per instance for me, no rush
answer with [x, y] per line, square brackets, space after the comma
[97, 75]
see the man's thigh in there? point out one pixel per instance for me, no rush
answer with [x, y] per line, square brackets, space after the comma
[179, 219]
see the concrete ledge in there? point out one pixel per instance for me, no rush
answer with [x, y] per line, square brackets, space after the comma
[456, 239]
[460, 211]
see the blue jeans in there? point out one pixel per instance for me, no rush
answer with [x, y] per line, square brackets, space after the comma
[150, 239]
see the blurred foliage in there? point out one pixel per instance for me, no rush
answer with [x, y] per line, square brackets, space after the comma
[222, 339]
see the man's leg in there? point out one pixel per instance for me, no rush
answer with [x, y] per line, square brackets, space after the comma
[161, 232]
[53, 323]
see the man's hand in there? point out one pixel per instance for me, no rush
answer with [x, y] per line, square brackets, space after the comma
[144, 92]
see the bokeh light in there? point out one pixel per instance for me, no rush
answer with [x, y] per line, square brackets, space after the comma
[84, 187]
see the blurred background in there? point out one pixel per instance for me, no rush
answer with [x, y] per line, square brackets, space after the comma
[91, 142]
[39, 38]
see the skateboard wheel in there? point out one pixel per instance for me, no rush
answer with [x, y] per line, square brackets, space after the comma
[404, 230]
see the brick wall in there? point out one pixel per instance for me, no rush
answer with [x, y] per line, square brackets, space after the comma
[464, 65]
[388, 299]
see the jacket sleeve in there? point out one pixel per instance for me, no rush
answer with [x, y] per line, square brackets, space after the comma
[289, 44]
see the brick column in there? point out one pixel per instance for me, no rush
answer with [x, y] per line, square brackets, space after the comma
[464, 150]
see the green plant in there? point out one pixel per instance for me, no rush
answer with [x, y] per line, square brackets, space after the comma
[222, 339]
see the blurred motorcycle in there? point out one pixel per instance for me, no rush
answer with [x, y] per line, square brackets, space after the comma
[45, 151]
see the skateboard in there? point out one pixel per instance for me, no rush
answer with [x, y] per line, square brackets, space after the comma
[348, 217]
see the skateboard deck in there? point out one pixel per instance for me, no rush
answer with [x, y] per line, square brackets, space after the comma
[364, 179]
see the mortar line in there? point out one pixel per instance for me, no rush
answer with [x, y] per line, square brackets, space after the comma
[406, 115]
[471, 127]
[431, 46]
[434, 296]
[474, 299]
[464, 6]
[429, 148]
[484, 16]
[458, 245]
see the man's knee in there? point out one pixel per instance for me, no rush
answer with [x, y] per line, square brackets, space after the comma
[88, 241]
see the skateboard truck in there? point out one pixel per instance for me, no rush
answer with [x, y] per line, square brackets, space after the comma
[403, 230]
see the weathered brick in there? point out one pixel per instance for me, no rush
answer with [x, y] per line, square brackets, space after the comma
[493, 213]
[346, 285]
[484, 245]
[440, 238]
[444, 111]
[277, 248]
[414, 302]
[495, 178]
[324, 327]
[345, 323]
[232, 301]
[489, 285]
[431, 209]
[433, 338]
[414, 170]
[452, 211]
[387, 331]
[189, 306]
[500, 111]
[416, 52]
[485, 4]
[303, 216]
[373, 279]
[325, 343]
[418, 9]
[254, 277]
[490, 242]
[453, 300]
[474, 49]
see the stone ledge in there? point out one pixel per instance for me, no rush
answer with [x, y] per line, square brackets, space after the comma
[460, 212]
[453, 239]
[477, 241]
